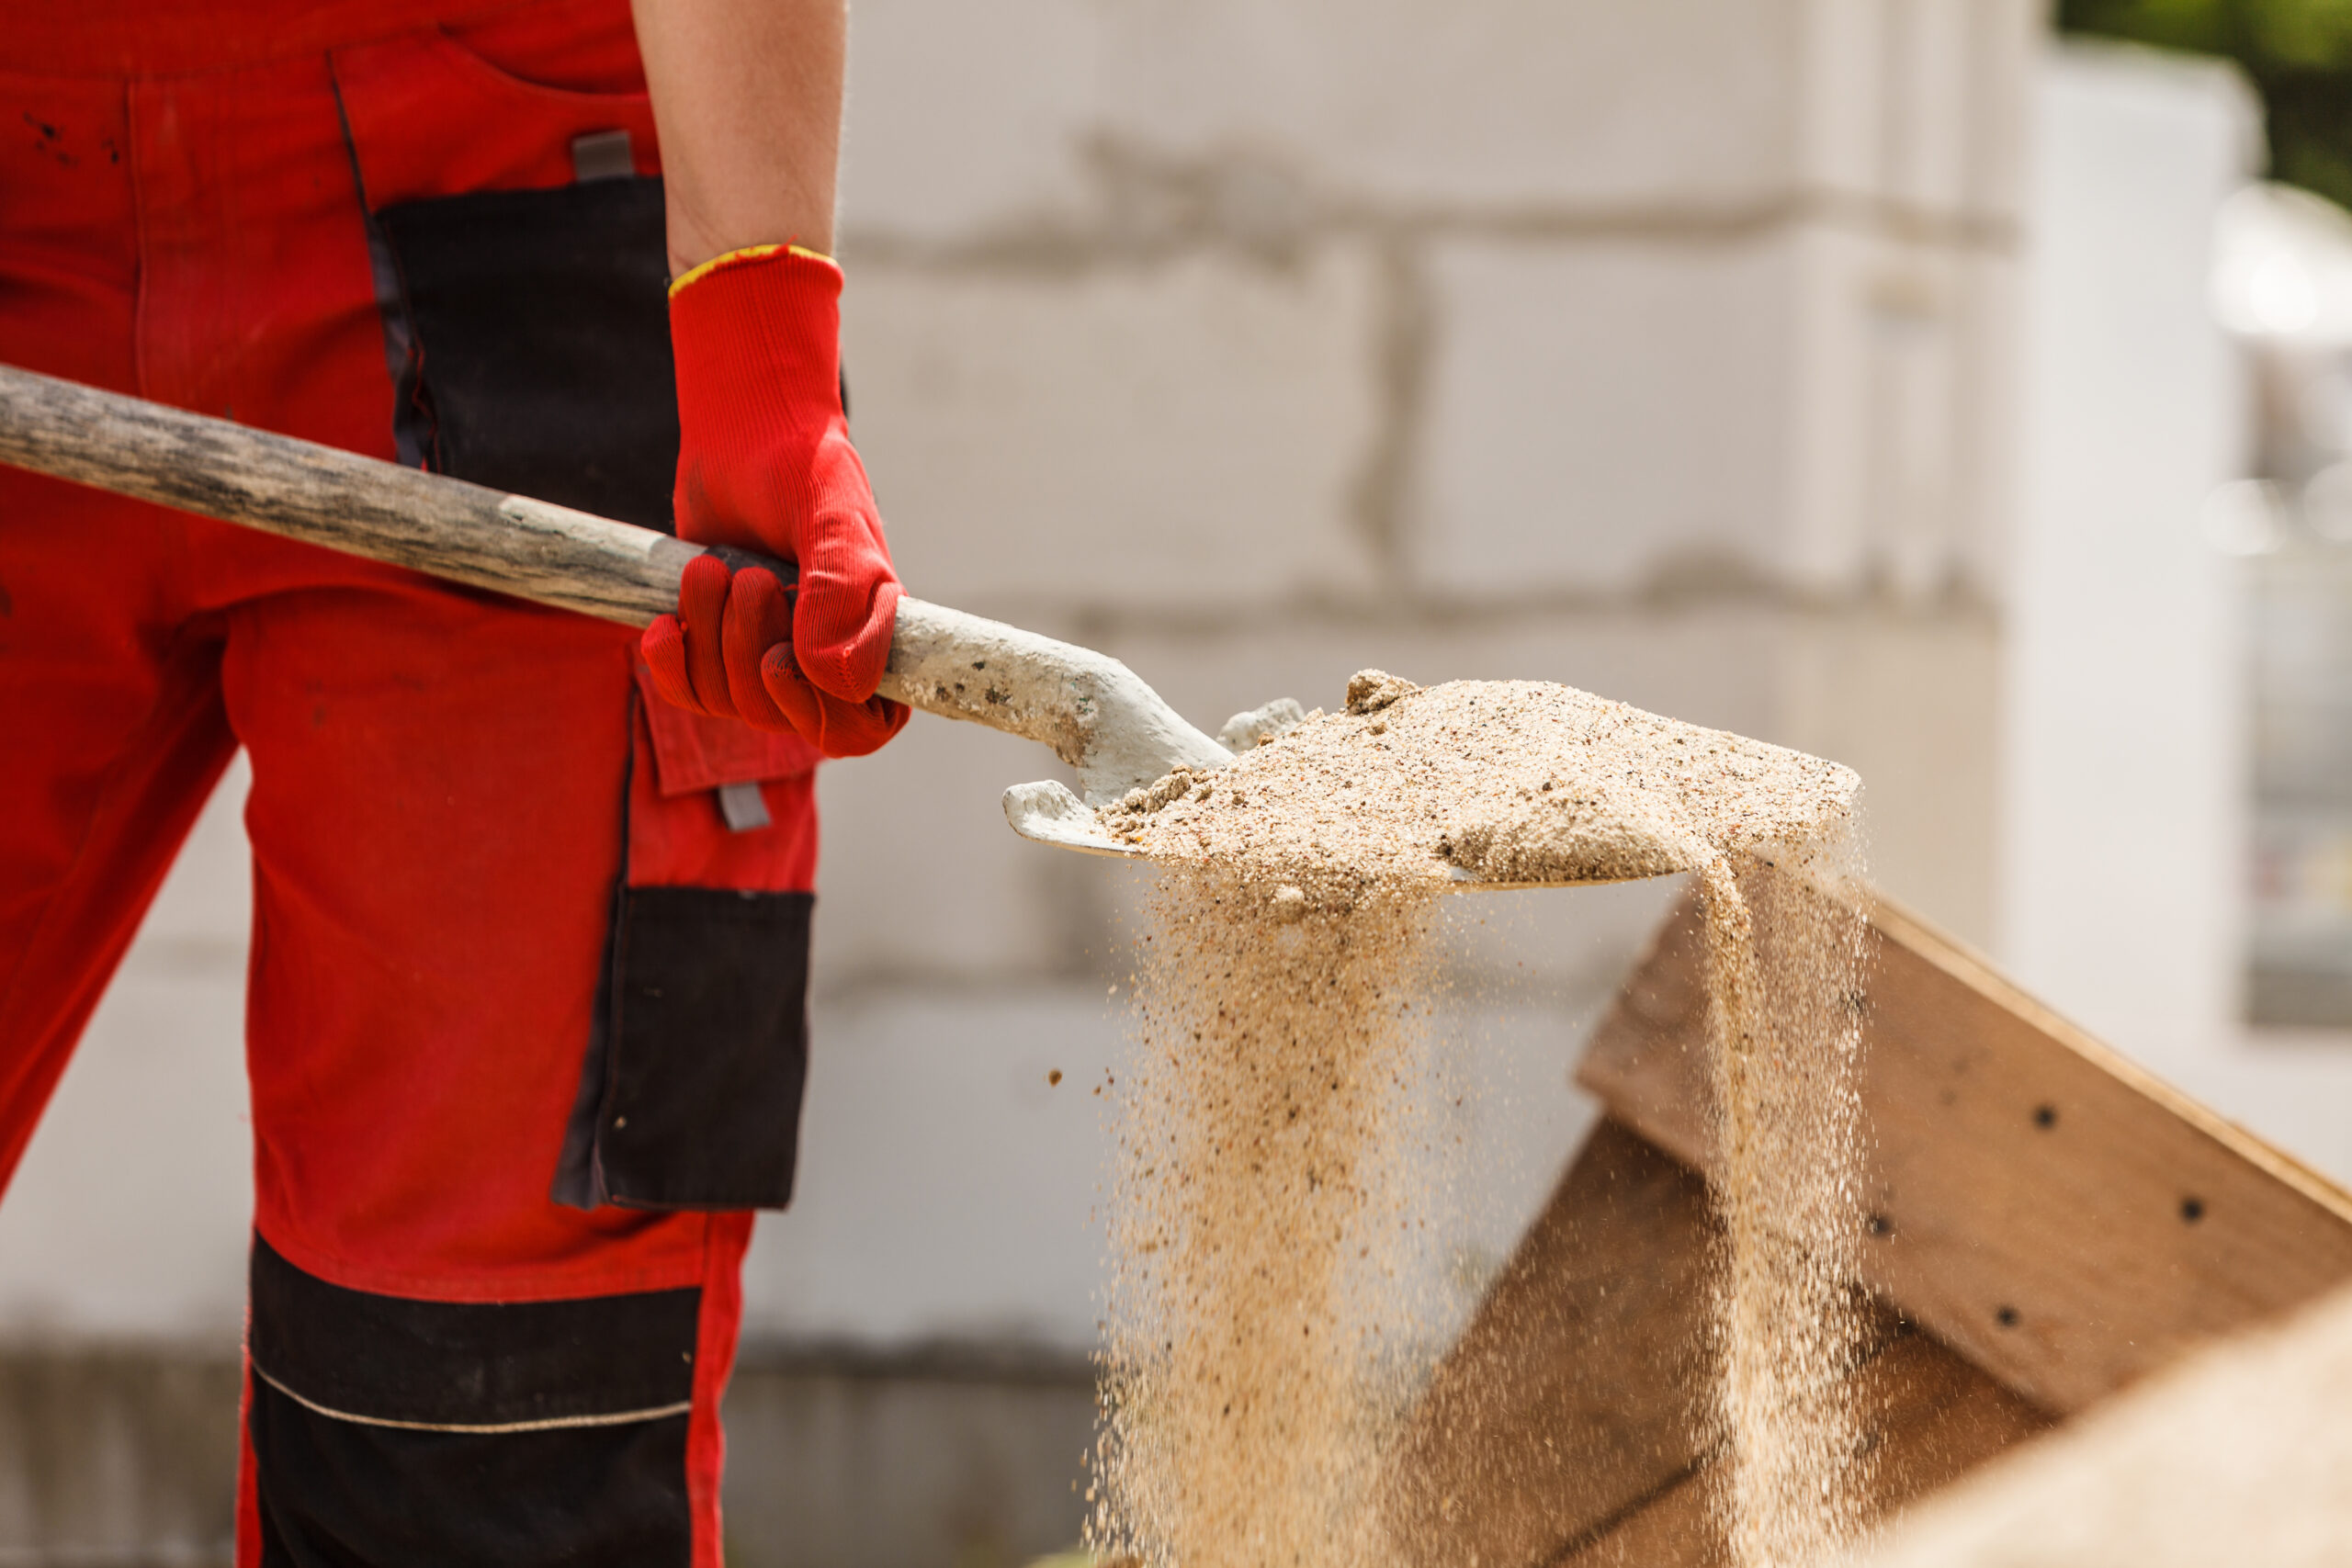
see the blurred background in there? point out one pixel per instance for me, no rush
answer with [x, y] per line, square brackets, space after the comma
[1954, 388]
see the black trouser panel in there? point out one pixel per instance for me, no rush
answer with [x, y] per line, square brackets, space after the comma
[376, 1426]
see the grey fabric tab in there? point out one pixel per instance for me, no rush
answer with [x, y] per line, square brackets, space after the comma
[743, 806]
[601, 155]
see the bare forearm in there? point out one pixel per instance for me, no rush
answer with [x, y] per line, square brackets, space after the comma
[747, 96]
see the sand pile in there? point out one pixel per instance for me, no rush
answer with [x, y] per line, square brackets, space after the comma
[1504, 780]
[1253, 1369]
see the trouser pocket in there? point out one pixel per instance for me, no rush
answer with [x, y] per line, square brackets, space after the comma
[690, 1091]
[709, 1049]
[541, 344]
[515, 232]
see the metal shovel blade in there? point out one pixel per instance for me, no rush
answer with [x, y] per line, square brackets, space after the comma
[1048, 812]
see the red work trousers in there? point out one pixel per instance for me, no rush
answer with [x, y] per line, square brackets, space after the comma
[462, 810]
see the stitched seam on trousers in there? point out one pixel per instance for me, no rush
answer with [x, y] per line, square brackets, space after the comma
[553, 1424]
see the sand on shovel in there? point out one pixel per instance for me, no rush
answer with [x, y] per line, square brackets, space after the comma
[1254, 1372]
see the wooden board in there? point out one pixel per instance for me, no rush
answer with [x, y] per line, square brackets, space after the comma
[1929, 1419]
[1569, 1425]
[1577, 1394]
[2038, 1203]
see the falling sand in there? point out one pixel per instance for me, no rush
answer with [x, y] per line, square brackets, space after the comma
[1258, 1360]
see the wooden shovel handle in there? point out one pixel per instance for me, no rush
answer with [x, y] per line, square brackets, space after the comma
[466, 533]
[1091, 709]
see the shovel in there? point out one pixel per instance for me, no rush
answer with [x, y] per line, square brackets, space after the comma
[1091, 710]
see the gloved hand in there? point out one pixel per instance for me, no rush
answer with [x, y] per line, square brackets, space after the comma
[764, 463]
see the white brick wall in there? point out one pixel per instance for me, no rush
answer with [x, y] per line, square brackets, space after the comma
[1842, 95]
[1603, 412]
[970, 121]
[2008, 53]
[920, 880]
[967, 117]
[1185, 431]
[945, 1189]
[1704, 663]
[1991, 291]
[1918, 102]
[1812, 406]
[1906, 699]
[1452, 104]
[1747, 219]
[1931, 121]
[1877, 497]
[130, 1211]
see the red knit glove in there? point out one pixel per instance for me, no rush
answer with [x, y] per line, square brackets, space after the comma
[764, 463]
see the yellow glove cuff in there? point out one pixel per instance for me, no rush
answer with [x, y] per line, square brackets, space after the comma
[749, 252]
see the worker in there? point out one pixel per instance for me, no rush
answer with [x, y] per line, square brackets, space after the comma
[525, 1022]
